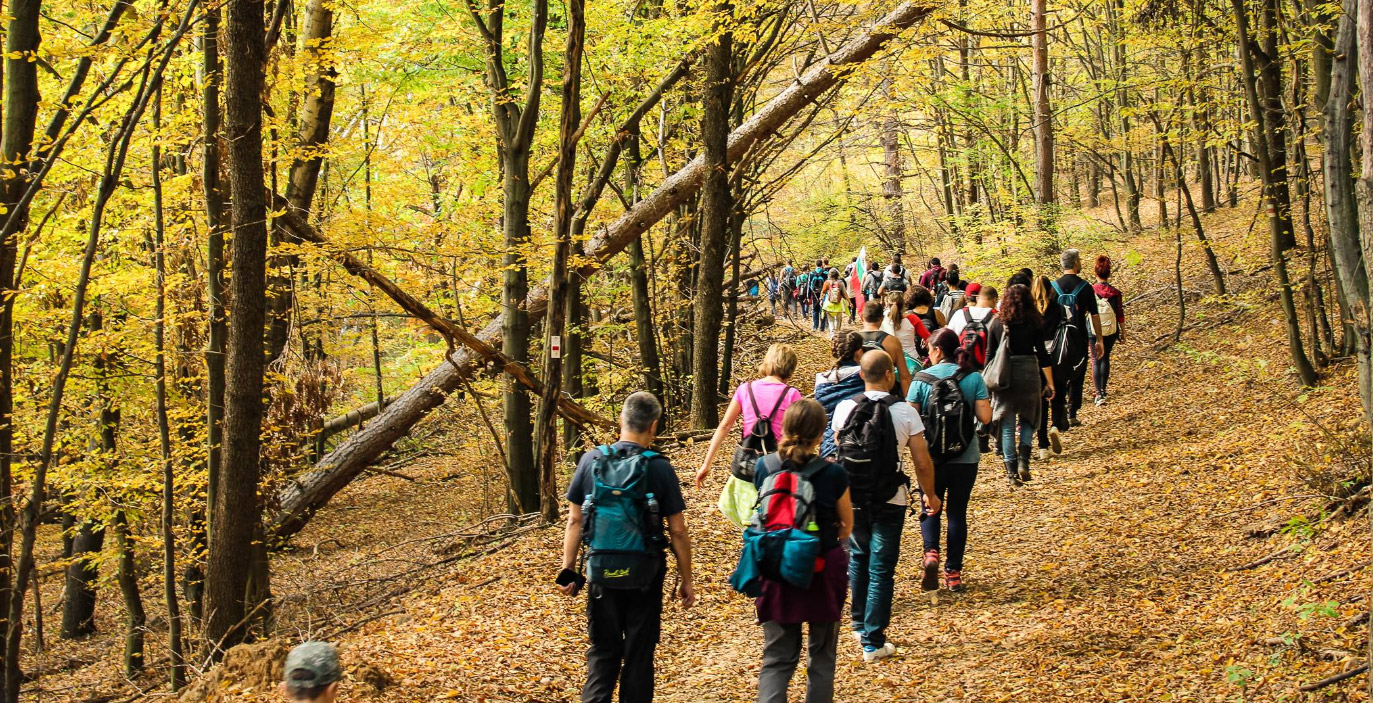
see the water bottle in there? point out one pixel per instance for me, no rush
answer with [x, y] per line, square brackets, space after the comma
[588, 507]
[655, 520]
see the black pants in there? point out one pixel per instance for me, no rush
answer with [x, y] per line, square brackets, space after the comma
[953, 483]
[1101, 365]
[624, 626]
[1067, 395]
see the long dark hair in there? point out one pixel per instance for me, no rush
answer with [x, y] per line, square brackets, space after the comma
[947, 343]
[1018, 308]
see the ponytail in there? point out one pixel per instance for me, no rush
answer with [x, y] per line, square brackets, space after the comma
[803, 426]
[948, 344]
[894, 310]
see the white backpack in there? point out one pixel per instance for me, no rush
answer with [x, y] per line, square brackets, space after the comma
[1107, 315]
[836, 293]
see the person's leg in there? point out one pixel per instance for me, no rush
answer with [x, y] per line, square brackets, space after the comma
[1059, 405]
[1104, 365]
[859, 549]
[605, 625]
[885, 552]
[1075, 381]
[929, 534]
[643, 627]
[821, 650]
[781, 653]
[961, 478]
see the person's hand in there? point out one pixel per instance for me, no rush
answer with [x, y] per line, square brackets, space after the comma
[1100, 348]
[568, 590]
[702, 475]
[932, 504]
[1049, 392]
[687, 593]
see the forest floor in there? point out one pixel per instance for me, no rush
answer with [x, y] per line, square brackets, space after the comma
[1128, 570]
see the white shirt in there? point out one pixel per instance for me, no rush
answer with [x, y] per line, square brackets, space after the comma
[960, 320]
[905, 335]
[905, 421]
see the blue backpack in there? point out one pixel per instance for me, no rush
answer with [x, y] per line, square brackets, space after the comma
[782, 545]
[621, 525]
[1068, 348]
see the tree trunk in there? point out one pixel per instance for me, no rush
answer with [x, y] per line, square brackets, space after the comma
[135, 619]
[716, 207]
[1043, 112]
[893, 193]
[235, 513]
[638, 272]
[78, 608]
[736, 237]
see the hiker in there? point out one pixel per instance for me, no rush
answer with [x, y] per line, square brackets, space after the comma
[907, 328]
[839, 383]
[875, 338]
[1111, 313]
[1077, 333]
[772, 294]
[625, 492]
[920, 301]
[767, 397]
[837, 301]
[312, 673]
[951, 297]
[872, 281]
[1018, 400]
[814, 285]
[786, 289]
[951, 398]
[872, 429]
[933, 276]
[1046, 302]
[782, 607]
[895, 278]
[971, 323]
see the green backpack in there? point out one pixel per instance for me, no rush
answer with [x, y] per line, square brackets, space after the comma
[622, 527]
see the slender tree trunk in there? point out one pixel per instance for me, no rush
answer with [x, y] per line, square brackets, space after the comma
[78, 607]
[135, 619]
[893, 193]
[736, 236]
[1043, 111]
[638, 272]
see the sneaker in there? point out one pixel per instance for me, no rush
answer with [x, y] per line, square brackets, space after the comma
[954, 581]
[858, 637]
[929, 581]
[1100, 400]
[872, 654]
[1043, 453]
[1055, 440]
[1073, 421]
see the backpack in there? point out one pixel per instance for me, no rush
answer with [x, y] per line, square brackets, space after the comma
[1069, 344]
[868, 451]
[948, 416]
[894, 282]
[875, 342]
[756, 442]
[932, 277]
[621, 525]
[817, 282]
[782, 545]
[973, 338]
[1106, 313]
[953, 301]
[836, 294]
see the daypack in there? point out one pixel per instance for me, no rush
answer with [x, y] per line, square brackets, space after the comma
[894, 281]
[1069, 341]
[973, 338]
[758, 441]
[783, 543]
[836, 294]
[953, 300]
[817, 282]
[1106, 313]
[622, 528]
[873, 340]
[948, 416]
[868, 451]
[932, 277]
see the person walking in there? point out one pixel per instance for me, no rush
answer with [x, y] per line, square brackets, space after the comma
[895, 278]
[312, 673]
[907, 328]
[1111, 314]
[783, 608]
[933, 275]
[1075, 296]
[626, 492]
[836, 302]
[1046, 302]
[815, 284]
[954, 475]
[1030, 376]
[920, 301]
[839, 383]
[764, 399]
[875, 338]
[872, 429]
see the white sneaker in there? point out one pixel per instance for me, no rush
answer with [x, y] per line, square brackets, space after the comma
[1044, 454]
[872, 655]
[1055, 440]
[858, 637]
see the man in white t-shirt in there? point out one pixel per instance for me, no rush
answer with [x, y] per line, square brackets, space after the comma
[983, 310]
[875, 545]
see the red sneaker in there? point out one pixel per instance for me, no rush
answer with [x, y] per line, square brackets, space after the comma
[930, 579]
[953, 580]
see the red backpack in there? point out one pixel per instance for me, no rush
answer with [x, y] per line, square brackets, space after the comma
[973, 338]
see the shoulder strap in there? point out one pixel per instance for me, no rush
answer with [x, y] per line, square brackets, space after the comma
[773, 462]
[753, 400]
[928, 378]
[812, 467]
[781, 397]
[606, 449]
[1056, 287]
[649, 454]
[889, 400]
[960, 375]
[967, 315]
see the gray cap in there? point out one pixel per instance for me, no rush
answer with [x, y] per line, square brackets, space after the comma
[312, 664]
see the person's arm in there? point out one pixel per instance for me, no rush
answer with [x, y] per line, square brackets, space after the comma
[940, 318]
[681, 547]
[1049, 376]
[924, 472]
[845, 510]
[732, 414]
[1096, 334]
[572, 539]
[983, 410]
[892, 346]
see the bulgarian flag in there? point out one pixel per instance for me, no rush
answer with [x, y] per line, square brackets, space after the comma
[860, 271]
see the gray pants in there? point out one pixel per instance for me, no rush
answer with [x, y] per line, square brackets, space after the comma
[782, 652]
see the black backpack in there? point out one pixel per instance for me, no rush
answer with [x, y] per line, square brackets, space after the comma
[868, 452]
[974, 336]
[1068, 348]
[757, 443]
[948, 416]
[817, 282]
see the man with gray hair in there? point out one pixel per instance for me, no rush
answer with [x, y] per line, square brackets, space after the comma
[1079, 308]
[312, 673]
[619, 499]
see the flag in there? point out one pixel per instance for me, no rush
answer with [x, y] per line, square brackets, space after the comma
[860, 271]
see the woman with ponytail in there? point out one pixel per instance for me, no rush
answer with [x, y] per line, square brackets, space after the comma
[953, 476]
[840, 383]
[783, 608]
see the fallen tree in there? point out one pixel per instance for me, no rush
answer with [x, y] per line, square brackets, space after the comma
[305, 495]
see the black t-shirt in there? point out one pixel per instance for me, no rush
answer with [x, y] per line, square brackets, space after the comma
[1026, 340]
[662, 480]
[1086, 300]
[830, 484]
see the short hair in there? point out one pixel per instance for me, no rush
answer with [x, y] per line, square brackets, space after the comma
[780, 361]
[934, 262]
[988, 292]
[640, 411]
[1071, 259]
[875, 365]
[1103, 267]
[872, 312]
[896, 258]
[299, 692]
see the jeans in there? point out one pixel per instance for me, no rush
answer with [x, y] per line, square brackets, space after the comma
[624, 625]
[1027, 436]
[953, 483]
[782, 652]
[817, 316]
[1067, 395]
[875, 548]
[1101, 365]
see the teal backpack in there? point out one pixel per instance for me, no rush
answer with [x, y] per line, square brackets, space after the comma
[622, 527]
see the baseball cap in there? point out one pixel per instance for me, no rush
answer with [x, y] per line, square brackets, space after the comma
[973, 289]
[311, 665]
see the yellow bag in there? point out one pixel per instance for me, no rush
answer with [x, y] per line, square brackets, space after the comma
[737, 501]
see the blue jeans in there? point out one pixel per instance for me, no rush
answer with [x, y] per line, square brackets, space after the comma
[1027, 436]
[817, 320]
[874, 549]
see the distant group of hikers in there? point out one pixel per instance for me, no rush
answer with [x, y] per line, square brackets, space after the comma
[939, 367]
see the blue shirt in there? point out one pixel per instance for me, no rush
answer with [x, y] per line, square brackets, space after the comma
[974, 389]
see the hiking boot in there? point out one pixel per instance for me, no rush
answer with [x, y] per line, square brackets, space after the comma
[984, 443]
[929, 581]
[1073, 421]
[1012, 474]
[954, 581]
[872, 654]
[1024, 464]
[1055, 441]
